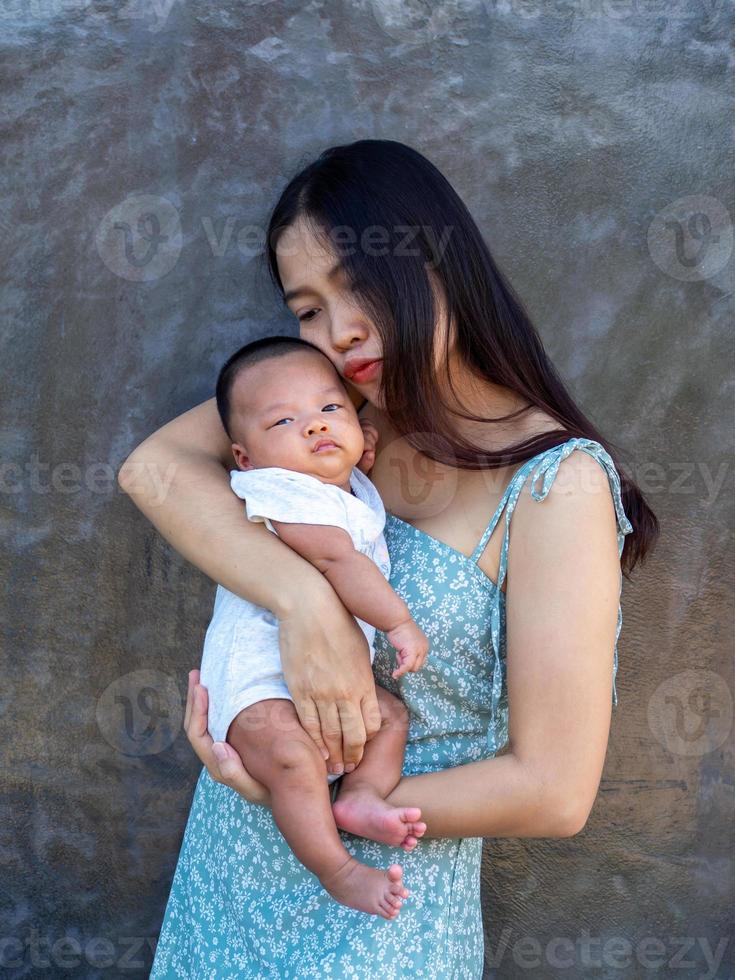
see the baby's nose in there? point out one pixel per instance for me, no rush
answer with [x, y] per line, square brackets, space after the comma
[313, 427]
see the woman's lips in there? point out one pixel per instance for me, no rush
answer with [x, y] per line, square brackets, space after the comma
[367, 373]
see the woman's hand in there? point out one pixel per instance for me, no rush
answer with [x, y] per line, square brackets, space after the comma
[326, 665]
[222, 762]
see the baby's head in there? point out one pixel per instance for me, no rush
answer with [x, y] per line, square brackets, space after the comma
[279, 398]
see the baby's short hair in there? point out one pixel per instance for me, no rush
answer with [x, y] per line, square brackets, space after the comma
[262, 349]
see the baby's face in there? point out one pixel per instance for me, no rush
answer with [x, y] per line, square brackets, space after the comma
[285, 407]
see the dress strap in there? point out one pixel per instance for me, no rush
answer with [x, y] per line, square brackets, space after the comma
[546, 465]
[486, 534]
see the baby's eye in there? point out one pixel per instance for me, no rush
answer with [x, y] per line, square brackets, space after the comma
[332, 406]
[308, 316]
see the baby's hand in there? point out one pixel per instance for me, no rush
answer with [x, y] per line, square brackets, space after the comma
[367, 460]
[412, 646]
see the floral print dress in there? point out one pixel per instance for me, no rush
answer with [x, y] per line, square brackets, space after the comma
[242, 906]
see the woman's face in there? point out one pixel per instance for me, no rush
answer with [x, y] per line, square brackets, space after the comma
[318, 293]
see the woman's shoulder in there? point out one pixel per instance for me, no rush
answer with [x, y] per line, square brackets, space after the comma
[580, 484]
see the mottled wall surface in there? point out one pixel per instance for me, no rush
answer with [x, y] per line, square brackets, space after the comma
[592, 140]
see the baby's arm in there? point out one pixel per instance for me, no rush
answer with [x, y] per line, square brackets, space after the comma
[361, 586]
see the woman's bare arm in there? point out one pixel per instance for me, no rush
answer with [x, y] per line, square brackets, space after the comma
[179, 479]
[562, 598]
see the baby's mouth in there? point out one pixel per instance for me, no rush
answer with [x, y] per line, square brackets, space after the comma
[324, 445]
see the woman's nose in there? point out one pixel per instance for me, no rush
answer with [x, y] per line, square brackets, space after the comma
[348, 327]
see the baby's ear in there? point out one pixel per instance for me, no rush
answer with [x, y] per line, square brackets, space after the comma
[242, 460]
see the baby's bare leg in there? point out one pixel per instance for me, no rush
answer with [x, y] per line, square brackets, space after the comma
[277, 752]
[360, 807]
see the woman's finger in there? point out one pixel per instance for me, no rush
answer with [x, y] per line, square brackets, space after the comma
[198, 732]
[233, 773]
[308, 714]
[331, 732]
[229, 763]
[353, 734]
[371, 717]
[192, 680]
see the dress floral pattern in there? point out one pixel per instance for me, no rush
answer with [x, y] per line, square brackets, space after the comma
[242, 906]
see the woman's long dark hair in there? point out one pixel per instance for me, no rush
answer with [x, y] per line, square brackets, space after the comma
[387, 211]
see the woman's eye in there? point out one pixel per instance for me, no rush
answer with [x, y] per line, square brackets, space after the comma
[331, 405]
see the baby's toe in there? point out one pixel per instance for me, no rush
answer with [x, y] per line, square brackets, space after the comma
[395, 875]
[389, 910]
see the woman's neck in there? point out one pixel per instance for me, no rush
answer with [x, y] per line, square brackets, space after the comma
[470, 394]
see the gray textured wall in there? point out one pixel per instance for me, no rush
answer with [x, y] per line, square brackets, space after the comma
[593, 142]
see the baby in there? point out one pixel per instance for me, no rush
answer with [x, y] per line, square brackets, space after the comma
[297, 440]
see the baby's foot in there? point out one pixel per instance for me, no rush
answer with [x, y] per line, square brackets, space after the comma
[368, 889]
[363, 812]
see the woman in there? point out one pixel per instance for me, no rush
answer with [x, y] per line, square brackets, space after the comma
[386, 272]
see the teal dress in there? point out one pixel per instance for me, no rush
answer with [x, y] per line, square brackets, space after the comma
[242, 906]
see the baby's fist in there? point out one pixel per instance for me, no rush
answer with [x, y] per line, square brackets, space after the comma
[412, 646]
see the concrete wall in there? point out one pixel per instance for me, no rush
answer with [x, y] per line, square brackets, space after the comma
[592, 140]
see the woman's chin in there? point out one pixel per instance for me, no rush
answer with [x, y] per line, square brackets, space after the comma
[373, 394]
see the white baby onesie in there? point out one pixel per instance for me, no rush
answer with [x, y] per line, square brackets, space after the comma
[241, 661]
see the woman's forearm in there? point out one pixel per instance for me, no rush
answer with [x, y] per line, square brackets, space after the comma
[186, 495]
[496, 797]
